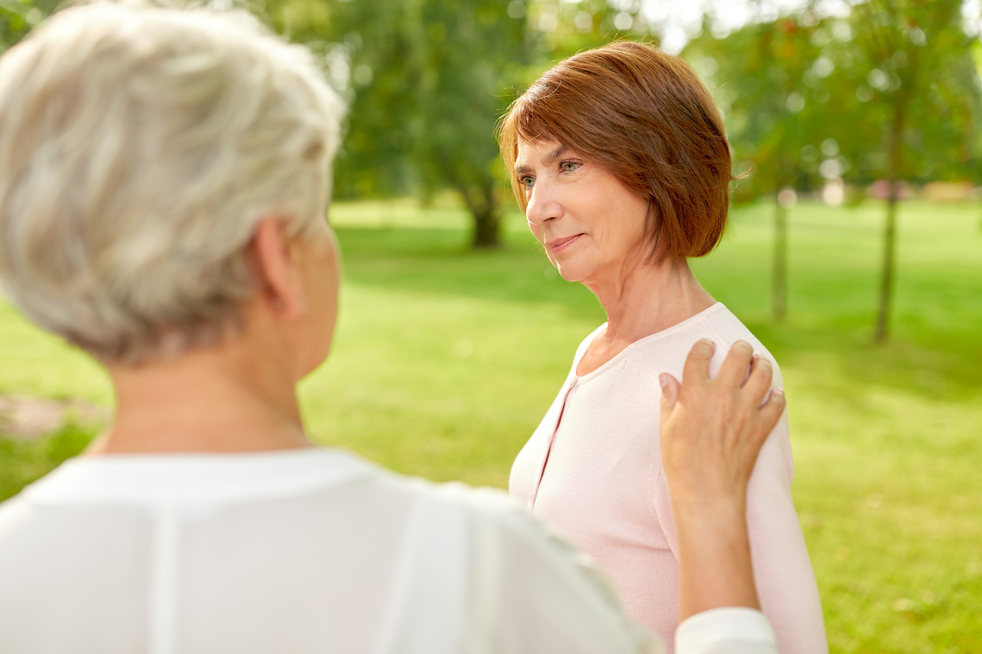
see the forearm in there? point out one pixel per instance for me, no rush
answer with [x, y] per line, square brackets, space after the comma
[715, 568]
[711, 433]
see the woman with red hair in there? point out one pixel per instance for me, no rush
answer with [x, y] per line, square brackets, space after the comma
[621, 164]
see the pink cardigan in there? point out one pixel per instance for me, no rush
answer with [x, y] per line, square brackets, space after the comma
[593, 469]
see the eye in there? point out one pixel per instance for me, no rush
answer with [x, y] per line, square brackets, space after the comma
[569, 166]
[527, 182]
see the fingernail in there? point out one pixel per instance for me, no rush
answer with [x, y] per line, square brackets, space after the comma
[708, 341]
[778, 392]
[663, 380]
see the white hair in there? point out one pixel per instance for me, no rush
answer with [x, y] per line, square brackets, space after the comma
[139, 149]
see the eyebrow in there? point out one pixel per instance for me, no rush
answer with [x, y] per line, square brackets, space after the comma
[558, 152]
[555, 154]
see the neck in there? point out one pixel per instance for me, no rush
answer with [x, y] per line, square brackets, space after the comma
[648, 298]
[218, 399]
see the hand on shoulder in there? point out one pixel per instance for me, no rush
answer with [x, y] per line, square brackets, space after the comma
[713, 429]
[711, 433]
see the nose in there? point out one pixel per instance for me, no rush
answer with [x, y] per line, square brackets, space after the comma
[543, 205]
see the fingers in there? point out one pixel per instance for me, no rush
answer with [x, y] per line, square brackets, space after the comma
[669, 395]
[758, 382]
[734, 369]
[771, 412]
[697, 363]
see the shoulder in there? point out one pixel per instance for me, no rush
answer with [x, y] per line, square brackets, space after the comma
[725, 325]
[728, 329]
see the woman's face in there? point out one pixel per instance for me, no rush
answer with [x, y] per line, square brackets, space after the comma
[590, 223]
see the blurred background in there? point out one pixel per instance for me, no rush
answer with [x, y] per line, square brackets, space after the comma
[854, 253]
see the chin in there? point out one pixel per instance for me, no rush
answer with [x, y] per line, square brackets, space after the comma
[571, 273]
[316, 361]
[316, 356]
[575, 268]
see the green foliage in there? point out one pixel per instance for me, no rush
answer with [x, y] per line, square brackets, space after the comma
[792, 86]
[561, 29]
[766, 95]
[22, 462]
[17, 17]
[912, 64]
[428, 80]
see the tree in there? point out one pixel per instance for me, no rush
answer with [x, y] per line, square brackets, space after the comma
[913, 58]
[767, 70]
[890, 92]
[474, 52]
[427, 80]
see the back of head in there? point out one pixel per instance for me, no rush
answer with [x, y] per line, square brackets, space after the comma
[139, 148]
[643, 115]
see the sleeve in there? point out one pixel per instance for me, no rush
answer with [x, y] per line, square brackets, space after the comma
[730, 630]
[783, 574]
[537, 594]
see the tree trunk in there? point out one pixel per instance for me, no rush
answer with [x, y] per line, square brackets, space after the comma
[886, 274]
[479, 198]
[483, 206]
[895, 153]
[487, 225]
[779, 294]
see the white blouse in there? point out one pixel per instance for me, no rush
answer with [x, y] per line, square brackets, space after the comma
[301, 551]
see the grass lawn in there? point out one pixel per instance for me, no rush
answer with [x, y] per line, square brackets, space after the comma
[445, 361]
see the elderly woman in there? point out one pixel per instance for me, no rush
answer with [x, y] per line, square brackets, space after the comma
[163, 179]
[621, 164]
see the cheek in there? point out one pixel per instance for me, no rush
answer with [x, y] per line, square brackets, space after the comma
[608, 229]
[535, 229]
[628, 226]
[324, 280]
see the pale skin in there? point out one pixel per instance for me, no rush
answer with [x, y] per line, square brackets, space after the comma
[592, 227]
[239, 396]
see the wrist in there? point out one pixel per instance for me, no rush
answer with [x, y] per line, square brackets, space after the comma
[716, 567]
[701, 504]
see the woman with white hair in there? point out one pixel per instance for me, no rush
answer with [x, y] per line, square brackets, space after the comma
[163, 184]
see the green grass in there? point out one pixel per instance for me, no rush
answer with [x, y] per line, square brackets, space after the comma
[445, 360]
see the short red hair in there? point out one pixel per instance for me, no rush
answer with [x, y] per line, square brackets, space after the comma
[643, 115]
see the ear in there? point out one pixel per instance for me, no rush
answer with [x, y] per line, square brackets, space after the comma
[277, 266]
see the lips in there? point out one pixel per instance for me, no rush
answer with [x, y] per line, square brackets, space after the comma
[560, 244]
